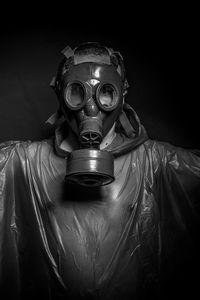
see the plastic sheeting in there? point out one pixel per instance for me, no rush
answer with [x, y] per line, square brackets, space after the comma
[136, 238]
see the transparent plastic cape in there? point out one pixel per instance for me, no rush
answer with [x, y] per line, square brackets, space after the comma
[136, 238]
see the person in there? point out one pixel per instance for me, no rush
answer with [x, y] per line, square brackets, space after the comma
[99, 210]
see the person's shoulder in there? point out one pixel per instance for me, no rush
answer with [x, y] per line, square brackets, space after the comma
[156, 151]
[35, 148]
[167, 152]
[26, 148]
[8, 145]
[151, 146]
[161, 146]
[8, 149]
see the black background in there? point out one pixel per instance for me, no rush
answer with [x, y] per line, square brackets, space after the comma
[159, 46]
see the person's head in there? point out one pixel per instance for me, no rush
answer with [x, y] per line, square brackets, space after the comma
[90, 85]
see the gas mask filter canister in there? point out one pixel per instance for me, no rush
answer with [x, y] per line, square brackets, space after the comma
[90, 167]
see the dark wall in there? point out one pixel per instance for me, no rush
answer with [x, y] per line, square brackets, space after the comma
[159, 58]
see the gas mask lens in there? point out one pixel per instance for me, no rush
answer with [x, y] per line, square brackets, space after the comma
[74, 95]
[107, 97]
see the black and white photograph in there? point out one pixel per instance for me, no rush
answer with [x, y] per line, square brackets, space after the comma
[99, 154]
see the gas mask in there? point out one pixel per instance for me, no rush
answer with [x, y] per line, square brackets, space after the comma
[91, 97]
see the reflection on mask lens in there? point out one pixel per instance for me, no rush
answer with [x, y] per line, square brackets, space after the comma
[107, 96]
[74, 95]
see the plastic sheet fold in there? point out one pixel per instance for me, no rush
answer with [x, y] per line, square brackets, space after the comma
[136, 238]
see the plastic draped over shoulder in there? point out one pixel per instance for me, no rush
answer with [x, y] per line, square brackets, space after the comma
[137, 237]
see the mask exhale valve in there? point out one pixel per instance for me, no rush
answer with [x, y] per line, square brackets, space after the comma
[90, 140]
[90, 167]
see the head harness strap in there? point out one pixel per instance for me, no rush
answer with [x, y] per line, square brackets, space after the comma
[71, 56]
